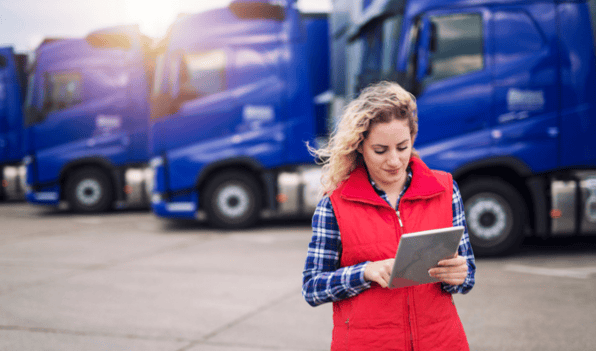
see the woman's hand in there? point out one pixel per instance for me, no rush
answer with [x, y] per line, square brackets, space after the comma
[379, 272]
[452, 271]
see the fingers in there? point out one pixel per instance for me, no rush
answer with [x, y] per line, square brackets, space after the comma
[380, 278]
[456, 261]
[451, 271]
[379, 272]
[453, 281]
[453, 275]
[446, 270]
[437, 273]
[456, 278]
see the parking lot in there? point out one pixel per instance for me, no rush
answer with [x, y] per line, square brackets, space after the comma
[130, 281]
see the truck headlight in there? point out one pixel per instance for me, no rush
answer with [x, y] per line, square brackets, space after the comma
[149, 176]
[23, 177]
[156, 162]
[156, 198]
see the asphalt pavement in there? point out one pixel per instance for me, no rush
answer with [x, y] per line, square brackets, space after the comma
[130, 281]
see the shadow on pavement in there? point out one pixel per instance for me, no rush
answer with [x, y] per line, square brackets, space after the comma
[11, 202]
[50, 211]
[277, 223]
[566, 245]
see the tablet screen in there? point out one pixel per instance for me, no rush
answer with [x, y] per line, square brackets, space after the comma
[418, 252]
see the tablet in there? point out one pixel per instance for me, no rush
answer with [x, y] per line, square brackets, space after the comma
[418, 252]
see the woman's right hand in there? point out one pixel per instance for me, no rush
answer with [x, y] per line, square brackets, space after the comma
[379, 272]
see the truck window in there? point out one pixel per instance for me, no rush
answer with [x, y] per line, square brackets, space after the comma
[372, 51]
[63, 90]
[592, 6]
[458, 46]
[205, 72]
[3, 63]
[391, 33]
[159, 76]
[375, 53]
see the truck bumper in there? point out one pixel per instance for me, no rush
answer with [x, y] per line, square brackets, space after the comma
[178, 208]
[49, 196]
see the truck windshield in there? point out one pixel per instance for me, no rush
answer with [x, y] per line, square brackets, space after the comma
[372, 54]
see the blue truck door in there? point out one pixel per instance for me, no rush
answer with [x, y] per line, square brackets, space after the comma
[82, 117]
[264, 124]
[5, 56]
[578, 88]
[525, 120]
[203, 113]
[454, 90]
[64, 122]
[117, 70]
[11, 116]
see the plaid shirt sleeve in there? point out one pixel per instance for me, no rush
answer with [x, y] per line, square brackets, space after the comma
[465, 248]
[323, 280]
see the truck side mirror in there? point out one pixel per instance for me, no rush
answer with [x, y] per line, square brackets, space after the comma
[433, 38]
[433, 44]
[429, 69]
[427, 44]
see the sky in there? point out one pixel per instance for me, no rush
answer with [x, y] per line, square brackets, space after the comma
[25, 23]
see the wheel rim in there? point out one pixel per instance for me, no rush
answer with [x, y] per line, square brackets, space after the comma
[489, 217]
[233, 201]
[89, 192]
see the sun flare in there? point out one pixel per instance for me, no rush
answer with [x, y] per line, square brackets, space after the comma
[152, 16]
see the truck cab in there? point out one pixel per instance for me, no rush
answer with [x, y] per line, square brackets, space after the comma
[231, 110]
[86, 120]
[506, 102]
[12, 91]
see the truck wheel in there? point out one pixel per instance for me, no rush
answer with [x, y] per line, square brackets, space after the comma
[89, 190]
[232, 200]
[2, 191]
[495, 216]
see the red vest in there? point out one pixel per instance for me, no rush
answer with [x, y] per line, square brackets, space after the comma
[422, 317]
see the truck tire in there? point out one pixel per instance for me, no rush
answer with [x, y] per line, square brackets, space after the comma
[232, 199]
[89, 190]
[2, 191]
[495, 216]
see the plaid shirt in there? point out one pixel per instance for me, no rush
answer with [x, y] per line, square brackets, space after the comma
[324, 280]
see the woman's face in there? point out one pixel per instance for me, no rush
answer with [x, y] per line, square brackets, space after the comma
[386, 152]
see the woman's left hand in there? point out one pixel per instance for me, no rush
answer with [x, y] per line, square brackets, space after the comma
[452, 271]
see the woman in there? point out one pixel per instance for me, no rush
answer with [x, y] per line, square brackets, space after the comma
[377, 188]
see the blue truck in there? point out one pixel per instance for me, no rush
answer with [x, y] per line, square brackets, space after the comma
[506, 92]
[12, 92]
[233, 103]
[86, 121]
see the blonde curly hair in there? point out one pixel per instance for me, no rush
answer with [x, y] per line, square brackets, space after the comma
[379, 103]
